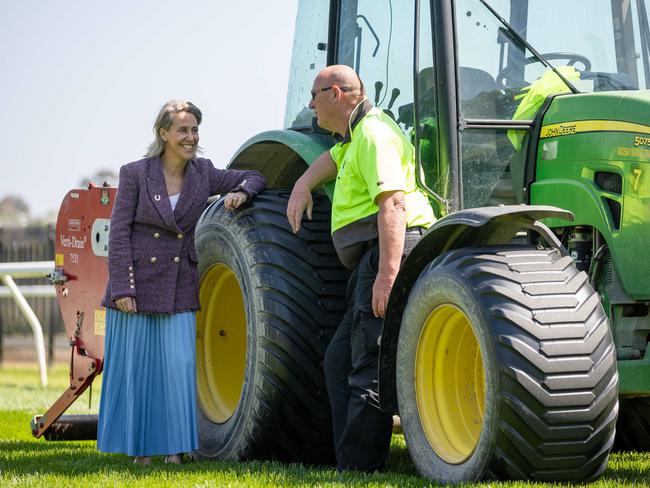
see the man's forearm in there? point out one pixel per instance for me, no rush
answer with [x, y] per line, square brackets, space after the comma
[392, 227]
[321, 171]
[300, 202]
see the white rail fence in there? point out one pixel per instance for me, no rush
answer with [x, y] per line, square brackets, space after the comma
[36, 269]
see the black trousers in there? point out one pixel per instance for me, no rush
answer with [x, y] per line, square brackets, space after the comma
[362, 432]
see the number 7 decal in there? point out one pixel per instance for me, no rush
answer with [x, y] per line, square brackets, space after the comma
[637, 173]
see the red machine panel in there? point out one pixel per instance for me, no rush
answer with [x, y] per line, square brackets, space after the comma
[81, 260]
[80, 276]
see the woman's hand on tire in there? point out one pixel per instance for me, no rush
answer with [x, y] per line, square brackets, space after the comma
[235, 200]
[126, 305]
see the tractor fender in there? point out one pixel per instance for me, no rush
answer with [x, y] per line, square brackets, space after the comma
[281, 156]
[475, 227]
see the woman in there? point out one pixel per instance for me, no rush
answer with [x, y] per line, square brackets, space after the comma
[148, 400]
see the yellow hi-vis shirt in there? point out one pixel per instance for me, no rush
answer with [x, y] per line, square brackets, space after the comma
[378, 158]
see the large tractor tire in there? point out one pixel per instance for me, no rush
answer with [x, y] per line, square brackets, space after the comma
[506, 368]
[633, 427]
[271, 301]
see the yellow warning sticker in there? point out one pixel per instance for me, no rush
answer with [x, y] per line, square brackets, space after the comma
[58, 259]
[100, 321]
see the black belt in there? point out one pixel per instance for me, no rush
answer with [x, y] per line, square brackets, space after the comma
[415, 230]
[410, 231]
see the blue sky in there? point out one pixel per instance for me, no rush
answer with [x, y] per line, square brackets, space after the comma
[82, 81]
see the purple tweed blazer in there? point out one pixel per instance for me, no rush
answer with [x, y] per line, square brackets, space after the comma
[151, 254]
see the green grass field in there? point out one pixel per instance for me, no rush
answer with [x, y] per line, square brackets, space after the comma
[25, 461]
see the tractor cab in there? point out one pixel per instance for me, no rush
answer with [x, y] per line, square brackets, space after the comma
[466, 78]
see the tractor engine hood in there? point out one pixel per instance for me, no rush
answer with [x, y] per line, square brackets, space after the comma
[593, 159]
[589, 112]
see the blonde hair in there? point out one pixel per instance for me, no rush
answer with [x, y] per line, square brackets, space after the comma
[164, 121]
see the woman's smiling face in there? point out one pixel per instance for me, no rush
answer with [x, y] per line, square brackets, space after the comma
[182, 137]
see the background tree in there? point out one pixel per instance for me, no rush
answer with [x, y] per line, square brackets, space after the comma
[14, 212]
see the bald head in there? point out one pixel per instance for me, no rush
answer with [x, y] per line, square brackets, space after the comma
[336, 92]
[343, 76]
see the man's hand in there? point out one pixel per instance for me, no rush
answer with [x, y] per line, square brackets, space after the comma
[126, 304]
[235, 200]
[380, 293]
[299, 202]
[321, 171]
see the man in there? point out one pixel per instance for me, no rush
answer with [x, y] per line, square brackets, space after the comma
[378, 214]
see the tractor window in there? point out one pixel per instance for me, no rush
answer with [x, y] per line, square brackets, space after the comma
[436, 172]
[481, 47]
[376, 39]
[599, 45]
[308, 58]
[493, 170]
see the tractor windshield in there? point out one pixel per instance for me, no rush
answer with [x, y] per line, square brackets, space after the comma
[308, 58]
[375, 37]
[598, 45]
[595, 45]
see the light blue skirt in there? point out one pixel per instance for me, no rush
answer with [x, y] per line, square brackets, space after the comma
[148, 399]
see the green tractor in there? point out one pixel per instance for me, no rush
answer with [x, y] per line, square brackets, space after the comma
[515, 340]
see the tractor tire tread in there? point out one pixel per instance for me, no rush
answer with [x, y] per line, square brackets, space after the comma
[299, 288]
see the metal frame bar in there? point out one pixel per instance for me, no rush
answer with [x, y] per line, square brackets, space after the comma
[30, 291]
[445, 62]
[34, 269]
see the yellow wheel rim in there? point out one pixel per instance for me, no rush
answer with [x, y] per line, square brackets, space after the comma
[220, 343]
[450, 384]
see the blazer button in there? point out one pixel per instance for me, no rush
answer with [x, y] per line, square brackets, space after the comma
[130, 268]
[180, 236]
[156, 235]
[177, 259]
[154, 259]
[132, 287]
[132, 280]
[130, 275]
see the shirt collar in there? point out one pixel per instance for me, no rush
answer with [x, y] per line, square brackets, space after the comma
[360, 114]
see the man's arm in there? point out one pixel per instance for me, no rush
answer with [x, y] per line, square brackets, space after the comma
[321, 171]
[391, 223]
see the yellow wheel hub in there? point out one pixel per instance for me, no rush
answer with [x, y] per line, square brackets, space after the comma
[220, 343]
[450, 384]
